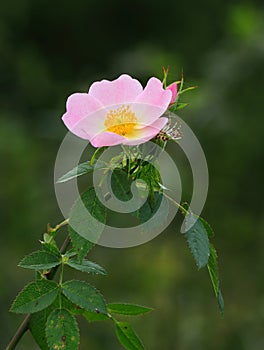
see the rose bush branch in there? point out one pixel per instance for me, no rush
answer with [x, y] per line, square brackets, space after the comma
[119, 112]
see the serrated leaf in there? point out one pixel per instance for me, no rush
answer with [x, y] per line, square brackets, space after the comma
[213, 272]
[197, 239]
[127, 309]
[89, 225]
[213, 269]
[51, 248]
[38, 320]
[221, 302]
[35, 297]
[91, 316]
[146, 212]
[39, 260]
[70, 253]
[86, 266]
[121, 185]
[127, 336]
[81, 169]
[37, 324]
[62, 330]
[85, 296]
[81, 245]
[206, 225]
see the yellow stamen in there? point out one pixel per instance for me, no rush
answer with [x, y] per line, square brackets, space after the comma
[121, 121]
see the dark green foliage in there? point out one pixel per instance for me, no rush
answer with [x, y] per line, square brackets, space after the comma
[89, 222]
[197, 239]
[127, 309]
[127, 336]
[84, 295]
[121, 185]
[35, 297]
[40, 260]
[86, 266]
[51, 248]
[81, 169]
[62, 330]
[81, 245]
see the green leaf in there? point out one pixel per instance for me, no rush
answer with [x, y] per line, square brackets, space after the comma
[35, 297]
[81, 245]
[80, 220]
[146, 212]
[206, 225]
[121, 185]
[38, 320]
[37, 324]
[85, 296]
[92, 316]
[213, 269]
[81, 169]
[197, 239]
[213, 272]
[221, 302]
[127, 336]
[51, 248]
[127, 309]
[62, 331]
[70, 253]
[39, 261]
[86, 266]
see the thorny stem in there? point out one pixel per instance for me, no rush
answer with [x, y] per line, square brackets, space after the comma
[50, 275]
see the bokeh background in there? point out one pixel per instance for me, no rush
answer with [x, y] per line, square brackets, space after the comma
[49, 49]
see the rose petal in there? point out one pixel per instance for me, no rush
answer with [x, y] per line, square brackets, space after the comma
[174, 90]
[152, 102]
[154, 94]
[122, 90]
[146, 114]
[83, 111]
[107, 139]
[147, 133]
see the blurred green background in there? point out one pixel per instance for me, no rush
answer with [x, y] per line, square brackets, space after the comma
[49, 49]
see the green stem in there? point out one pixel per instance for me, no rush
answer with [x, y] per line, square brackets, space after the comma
[182, 209]
[25, 324]
[93, 159]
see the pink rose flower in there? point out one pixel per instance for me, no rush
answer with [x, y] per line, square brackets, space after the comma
[118, 112]
[174, 91]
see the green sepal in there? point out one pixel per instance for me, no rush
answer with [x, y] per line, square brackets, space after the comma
[177, 106]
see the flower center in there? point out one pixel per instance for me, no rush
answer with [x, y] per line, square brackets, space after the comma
[120, 121]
